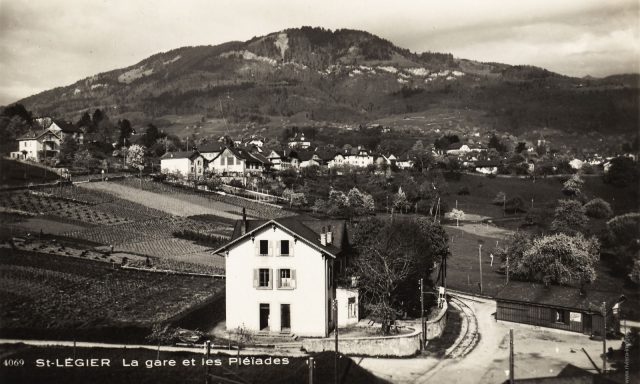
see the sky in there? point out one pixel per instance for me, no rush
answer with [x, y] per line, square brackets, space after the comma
[50, 43]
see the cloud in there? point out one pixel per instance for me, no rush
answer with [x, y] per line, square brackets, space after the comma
[50, 43]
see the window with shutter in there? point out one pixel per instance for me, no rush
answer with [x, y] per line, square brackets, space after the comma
[278, 279]
[255, 278]
[284, 248]
[270, 279]
[264, 278]
[264, 248]
[293, 278]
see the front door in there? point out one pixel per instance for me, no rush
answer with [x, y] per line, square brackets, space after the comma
[586, 323]
[264, 316]
[285, 317]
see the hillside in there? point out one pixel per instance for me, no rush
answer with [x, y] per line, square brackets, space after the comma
[309, 75]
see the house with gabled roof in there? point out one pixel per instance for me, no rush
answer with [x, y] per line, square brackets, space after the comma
[188, 164]
[45, 143]
[211, 150]
[239, 161]
[282, 274]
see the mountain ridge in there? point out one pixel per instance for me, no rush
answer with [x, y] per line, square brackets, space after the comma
[343, 75]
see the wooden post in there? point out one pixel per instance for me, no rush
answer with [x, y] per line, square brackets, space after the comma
[335, 327]
[207, 347]
[511, 362]
[480, 263]
[311, 363]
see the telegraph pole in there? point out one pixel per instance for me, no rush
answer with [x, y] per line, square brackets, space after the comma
[424, 336]
[604, 337]
[511, 359]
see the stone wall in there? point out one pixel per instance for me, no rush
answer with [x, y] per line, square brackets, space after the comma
[401, 346]
[435, 326]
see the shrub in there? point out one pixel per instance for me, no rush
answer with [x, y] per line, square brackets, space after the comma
[236, 183]
[499, 199]
[515, 204]
[463, 191]
[598, 208]
[569, 217]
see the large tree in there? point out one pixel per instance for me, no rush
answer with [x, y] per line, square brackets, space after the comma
[561, 259]
[391, 257]
[569, 217]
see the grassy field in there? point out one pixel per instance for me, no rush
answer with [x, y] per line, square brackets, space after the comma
[547, 191]
[294, 372]
[61, 293]
[14, 173]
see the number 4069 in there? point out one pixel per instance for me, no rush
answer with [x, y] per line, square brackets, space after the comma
[13, 362]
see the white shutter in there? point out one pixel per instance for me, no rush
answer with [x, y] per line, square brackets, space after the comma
[293, 279]
[271, 246]
[279, 282]
[291, 247]
[256, 245]
[255, 278]
[270, 278]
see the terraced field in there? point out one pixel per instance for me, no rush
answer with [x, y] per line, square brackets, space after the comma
[57, 292]
[182, 205]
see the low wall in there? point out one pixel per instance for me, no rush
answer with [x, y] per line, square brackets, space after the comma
[399, 346]
[435, 326]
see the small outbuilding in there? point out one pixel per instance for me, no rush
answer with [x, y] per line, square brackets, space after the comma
[560, 307]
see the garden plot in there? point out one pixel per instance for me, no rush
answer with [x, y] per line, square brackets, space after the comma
[57, 292]
[165, 248]
[177, 205]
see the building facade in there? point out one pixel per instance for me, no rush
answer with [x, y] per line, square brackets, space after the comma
[281, 277]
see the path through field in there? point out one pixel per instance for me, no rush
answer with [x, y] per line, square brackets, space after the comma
[172, 205]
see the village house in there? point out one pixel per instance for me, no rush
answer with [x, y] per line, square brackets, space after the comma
[45, 144]
[282, 274]
[211, 150]
[299, 141]
[486, 167]
[187, 164]
[238, 161]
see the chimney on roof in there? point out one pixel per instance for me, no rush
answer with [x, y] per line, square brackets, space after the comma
[329, 235]
[245, 224]
[323, 237]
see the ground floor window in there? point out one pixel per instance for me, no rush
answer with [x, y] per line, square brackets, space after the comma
[352, 308]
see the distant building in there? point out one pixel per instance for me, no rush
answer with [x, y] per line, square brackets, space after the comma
[211, 150]
[238, 161]
[45, 143]
[185, 164]
[299, 141]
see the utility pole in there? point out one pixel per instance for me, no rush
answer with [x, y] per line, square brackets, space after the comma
[334, 307]
[480, 260]
[511, 359]
[507, 268]
[424, 330]
[604, 337]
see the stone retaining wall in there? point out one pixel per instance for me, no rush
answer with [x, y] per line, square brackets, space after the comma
[400, 346]
[435, 326]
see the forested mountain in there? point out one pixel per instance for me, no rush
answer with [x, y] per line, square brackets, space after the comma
[343, 76]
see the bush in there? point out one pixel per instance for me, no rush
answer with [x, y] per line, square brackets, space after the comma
[515, 204]
[598, 209]
[236, 183]
[463, 191]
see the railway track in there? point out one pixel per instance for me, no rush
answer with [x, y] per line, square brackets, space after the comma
[469, 335]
